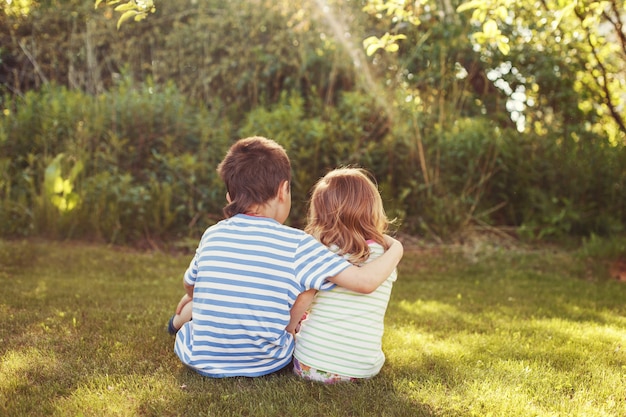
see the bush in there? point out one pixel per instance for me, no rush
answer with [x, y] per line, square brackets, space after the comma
[477, 173]
[319, 138]
[559, 188]
[147, 161]
[138, 163]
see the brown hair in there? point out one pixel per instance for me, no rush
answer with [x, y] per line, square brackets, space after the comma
[253, 170]
[346, 210]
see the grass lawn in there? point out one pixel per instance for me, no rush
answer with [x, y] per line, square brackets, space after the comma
[477, 331]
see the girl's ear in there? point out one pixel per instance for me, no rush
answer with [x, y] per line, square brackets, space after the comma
[228, 198]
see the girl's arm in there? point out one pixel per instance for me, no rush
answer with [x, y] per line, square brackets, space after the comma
[299, 308]
[367, 278]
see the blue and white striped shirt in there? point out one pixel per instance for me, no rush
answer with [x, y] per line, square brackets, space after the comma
[247, 273]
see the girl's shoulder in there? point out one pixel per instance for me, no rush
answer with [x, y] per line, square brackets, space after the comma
[375, 246]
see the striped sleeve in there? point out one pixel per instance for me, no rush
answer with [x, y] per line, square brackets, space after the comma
[315, 263]
[191, 274]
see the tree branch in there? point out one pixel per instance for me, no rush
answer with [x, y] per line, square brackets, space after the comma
[604, 85]
[34, 62]
[617, 24]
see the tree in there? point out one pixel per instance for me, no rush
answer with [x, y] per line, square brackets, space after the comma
[560, 62]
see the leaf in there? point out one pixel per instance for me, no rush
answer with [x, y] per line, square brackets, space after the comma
[126, 6]
[479, 38]
[58, 185]
[72, 201]
[490, 29]
[472, 4]
[371, 49]
[67, 187]
[501, 13]
[58, 201]
[504, 47]
[371, 45]
[52, 174]
[369, 41]
[392, 47]
[76, 169]
[127, 15]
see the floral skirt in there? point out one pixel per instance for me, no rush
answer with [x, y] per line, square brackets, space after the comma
[313, 374]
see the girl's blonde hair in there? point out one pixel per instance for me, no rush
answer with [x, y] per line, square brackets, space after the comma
[346, 210]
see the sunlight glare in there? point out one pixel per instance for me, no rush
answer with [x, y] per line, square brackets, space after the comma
[421, 307]
[15, 366]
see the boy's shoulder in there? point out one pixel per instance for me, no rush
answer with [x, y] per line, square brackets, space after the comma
[242, 223]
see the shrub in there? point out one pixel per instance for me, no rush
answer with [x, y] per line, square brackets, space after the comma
[319, 138]
[147, 162]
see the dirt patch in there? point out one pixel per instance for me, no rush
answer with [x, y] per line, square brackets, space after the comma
[618, 270]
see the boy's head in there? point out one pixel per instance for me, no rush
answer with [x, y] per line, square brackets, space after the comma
[253, 170]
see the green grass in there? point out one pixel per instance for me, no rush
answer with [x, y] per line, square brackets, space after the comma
[469, 332]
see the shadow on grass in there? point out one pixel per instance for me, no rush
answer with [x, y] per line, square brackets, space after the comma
[285, 394]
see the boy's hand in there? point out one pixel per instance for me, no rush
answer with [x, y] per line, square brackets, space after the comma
[183, 301]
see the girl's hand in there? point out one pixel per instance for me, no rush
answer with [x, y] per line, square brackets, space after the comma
[391, 241]
[292, 330]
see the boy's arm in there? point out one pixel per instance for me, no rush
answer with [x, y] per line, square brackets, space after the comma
[299, 308]
[188, 289]
[186, 298]
[189, 276]
[367, 278]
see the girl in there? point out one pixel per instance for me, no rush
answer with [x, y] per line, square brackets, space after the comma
[341, 337]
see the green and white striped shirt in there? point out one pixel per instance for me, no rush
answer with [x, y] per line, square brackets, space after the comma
[343, 331]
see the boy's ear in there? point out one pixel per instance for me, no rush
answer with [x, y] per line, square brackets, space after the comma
[283, 190]
[228, 198]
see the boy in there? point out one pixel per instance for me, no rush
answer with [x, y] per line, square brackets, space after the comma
[249, 268]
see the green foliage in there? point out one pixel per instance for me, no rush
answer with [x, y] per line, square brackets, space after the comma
[555, 190]
[59, 190]
[136, 10]
[598, 248]
[450, 185]
[55, 202]
[319, 138]
[234, 55]
[17, 7]
[458, 134]
[584, 41]
[140, 164]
